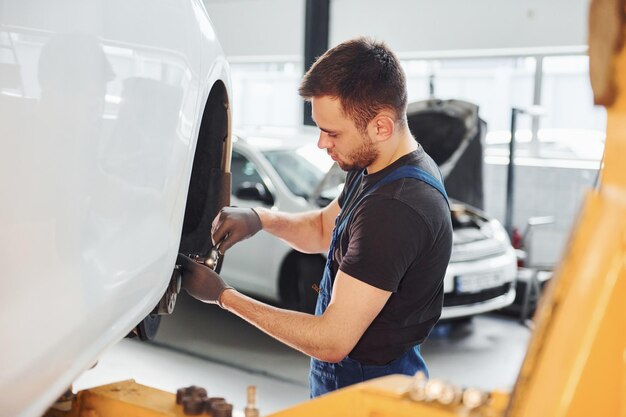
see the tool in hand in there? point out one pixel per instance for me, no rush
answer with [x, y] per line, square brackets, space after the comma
[211, 258]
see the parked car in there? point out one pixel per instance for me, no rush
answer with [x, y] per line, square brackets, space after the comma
[115, 156]
[283, 169]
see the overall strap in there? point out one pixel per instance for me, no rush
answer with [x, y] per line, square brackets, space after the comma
[353, 186]
[406, 171]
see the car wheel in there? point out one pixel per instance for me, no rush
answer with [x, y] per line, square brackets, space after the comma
[148, 327]
[308, 272]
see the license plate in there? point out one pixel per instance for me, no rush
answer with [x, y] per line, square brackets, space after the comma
[472, 283]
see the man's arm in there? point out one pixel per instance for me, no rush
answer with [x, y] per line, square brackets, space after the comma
[308, 232]
[329, 337]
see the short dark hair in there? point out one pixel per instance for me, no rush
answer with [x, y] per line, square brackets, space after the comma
[364, 75]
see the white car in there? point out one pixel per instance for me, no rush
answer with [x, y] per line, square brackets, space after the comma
[115, 156]
[282, 169]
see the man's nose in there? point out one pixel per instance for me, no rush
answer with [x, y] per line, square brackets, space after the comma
[324, 141]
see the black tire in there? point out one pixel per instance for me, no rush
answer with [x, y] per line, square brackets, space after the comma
[308, 273]
[148, 327]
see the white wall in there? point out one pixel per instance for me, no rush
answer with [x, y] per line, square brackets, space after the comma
[259, 27]
[427, 25]
[276, 27]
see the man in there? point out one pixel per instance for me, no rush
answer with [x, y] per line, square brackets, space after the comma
[388, 235]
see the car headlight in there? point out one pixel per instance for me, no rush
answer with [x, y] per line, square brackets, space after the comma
[498, 231]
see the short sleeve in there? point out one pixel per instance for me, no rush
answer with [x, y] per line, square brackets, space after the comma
[386, 238]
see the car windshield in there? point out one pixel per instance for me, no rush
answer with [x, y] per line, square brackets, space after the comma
[301, 169]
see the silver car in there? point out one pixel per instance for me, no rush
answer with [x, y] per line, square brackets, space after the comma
[282, 169]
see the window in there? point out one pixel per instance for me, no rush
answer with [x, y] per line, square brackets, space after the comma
[557, 80]
[266, 93]
[243, 171]
[298, 174]
[494, 84]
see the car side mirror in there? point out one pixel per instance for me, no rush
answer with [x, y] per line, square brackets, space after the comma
[254, 191]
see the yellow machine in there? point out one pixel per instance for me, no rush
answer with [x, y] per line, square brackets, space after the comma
[576, 361]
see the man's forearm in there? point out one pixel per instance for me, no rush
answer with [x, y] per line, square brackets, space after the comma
[302, 231]
[311, 335]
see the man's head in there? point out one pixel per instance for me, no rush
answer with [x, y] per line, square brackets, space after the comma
[358, 95]
[364, 75]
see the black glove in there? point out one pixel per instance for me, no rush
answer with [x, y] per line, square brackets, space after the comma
[200, 281]
[233, 225]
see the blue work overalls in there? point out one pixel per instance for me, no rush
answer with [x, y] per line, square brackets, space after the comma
[324, 376]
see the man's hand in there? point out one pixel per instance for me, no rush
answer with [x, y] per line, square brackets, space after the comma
[200, 281]
[233, 225]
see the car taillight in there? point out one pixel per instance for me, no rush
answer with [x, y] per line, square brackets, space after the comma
[516, 239]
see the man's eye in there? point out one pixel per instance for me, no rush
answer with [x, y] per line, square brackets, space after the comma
[332, 135]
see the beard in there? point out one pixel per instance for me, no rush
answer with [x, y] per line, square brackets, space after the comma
[362, 157]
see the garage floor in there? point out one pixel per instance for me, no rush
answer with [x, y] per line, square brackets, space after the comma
[201, 344]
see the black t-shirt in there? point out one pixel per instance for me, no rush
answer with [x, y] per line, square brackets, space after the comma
[398, 239]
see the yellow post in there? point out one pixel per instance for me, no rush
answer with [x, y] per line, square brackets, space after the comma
[576, 363]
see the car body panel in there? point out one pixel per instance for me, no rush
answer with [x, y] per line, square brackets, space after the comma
[100, 109]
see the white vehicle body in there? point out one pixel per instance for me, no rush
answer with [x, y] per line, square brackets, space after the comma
[103, 105]
[483, 259]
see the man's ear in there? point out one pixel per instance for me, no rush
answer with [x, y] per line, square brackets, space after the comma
[382, 126]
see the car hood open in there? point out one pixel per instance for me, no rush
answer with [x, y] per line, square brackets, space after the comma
[452, 133]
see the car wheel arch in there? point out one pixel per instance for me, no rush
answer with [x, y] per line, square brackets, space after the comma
[209, 183]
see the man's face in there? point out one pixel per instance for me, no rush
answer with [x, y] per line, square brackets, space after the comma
[346, 145]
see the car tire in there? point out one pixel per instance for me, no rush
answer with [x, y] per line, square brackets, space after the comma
[308, 272]
[147, 328]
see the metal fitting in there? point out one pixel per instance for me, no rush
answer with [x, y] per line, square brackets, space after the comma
[422, 389]
[417, 390]
[474, 398]
[193, 399]
[193, 405]
[222, 410]
[210, 259]
[251, 410]
[211, 402]
[168, 301]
